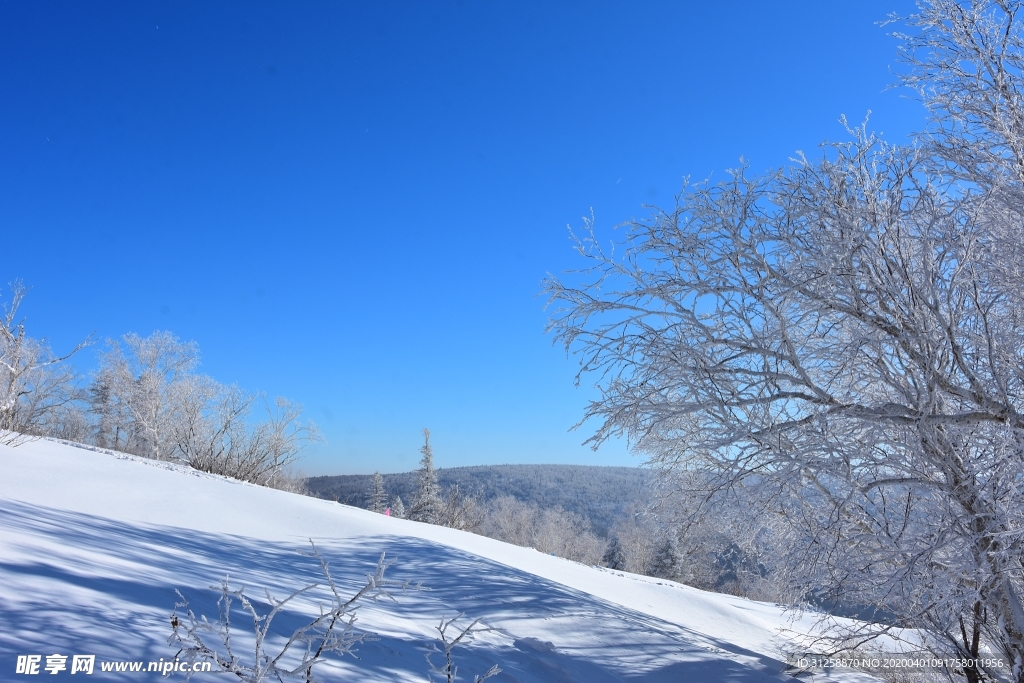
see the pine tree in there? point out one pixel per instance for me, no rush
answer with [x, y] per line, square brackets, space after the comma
[668, 561]
[378, 499]
[427, 504]
[614, 557]
[398, 507]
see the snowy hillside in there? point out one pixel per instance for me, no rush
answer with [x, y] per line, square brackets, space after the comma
[93, 546]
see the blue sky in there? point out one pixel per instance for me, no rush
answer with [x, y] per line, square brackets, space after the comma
[353, 204]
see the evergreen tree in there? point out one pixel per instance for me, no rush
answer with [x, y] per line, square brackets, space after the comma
[668, 561]
[378, 499]
[398, 508]
[427, 504]
[614, 556]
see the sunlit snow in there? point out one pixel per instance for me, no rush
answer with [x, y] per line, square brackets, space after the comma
[93, 546]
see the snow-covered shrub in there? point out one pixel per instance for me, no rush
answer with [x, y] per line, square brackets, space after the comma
[290, 480]
[269, 656]
[448, 670]
[332, 631]
[216, 436]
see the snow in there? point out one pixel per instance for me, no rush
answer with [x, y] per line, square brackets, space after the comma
[94, 544]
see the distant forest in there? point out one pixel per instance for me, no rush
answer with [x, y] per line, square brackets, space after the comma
[601, 494]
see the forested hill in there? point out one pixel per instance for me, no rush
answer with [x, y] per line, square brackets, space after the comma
[601, 494]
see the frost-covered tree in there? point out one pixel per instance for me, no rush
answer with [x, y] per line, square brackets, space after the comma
[110, 416]
[141, 390]
[614, 557]
[638, 533]
[459, 510]
[398, 507]
[843, 340]
[513, 521]
[37, 389]
[427, 504]
[378, 498]
[667, 562]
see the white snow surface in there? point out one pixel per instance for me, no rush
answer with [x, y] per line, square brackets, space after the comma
[94, 544]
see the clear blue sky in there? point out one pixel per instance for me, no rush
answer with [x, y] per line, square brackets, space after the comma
[353, 204]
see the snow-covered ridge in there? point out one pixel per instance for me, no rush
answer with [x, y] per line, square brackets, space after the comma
[93, 545]
[162, 464]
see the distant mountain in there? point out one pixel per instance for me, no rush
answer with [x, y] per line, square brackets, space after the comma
[601, 494]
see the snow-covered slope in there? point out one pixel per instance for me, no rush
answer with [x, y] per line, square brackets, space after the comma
[93, 546]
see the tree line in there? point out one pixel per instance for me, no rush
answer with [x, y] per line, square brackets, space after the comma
[601, 494]
[146, 398]
[648, 536]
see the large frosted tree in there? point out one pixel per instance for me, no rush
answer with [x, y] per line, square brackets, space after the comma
[142, 390]
[842, 341]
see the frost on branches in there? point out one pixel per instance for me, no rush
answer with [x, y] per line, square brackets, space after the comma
[265, 655]
[262, 657]
[36, 387]
[843, 342]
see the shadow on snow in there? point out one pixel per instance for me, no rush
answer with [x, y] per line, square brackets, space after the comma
[81, 584]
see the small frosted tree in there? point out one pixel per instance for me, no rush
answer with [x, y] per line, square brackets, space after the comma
[638, 534]
[427, 505]
[614, 556]
[459, 510]
[668, 561]
[378, 499]
[398, 507]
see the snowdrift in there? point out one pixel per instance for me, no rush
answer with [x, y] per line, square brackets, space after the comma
[93, 546]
